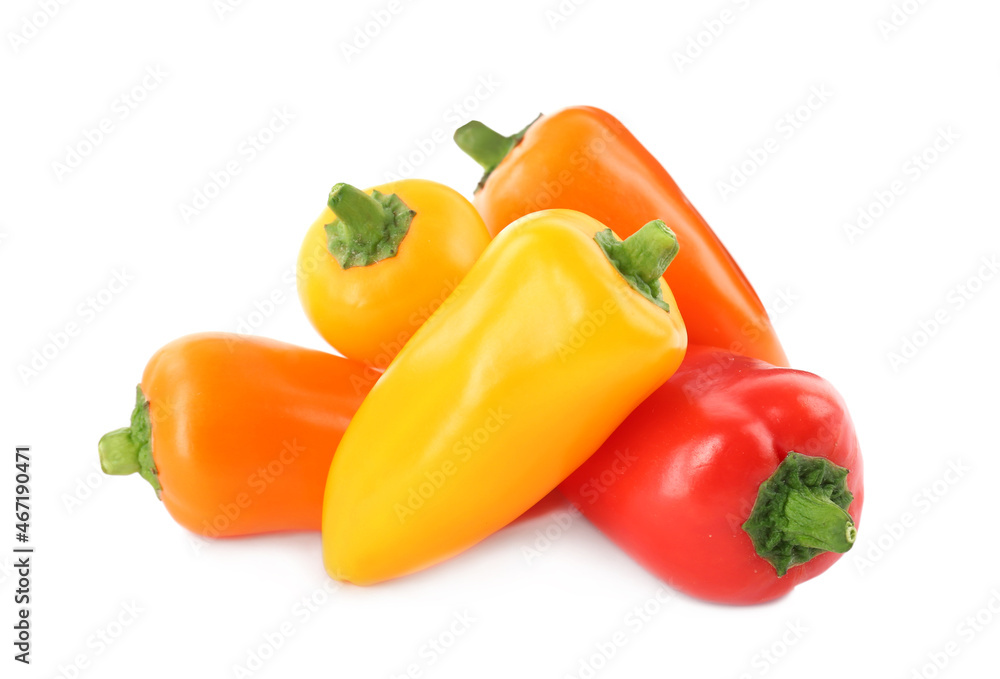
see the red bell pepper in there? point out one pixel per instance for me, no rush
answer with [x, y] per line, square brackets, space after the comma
[734, 482]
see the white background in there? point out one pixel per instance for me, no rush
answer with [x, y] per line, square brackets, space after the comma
[885, 609]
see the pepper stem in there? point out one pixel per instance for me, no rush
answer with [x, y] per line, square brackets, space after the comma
[642, 258]
[486, 146]
[129, 450]
[119, 454]
[801, 512]
[368, 228]
[483, 144]
[819, 523]
[362, 215]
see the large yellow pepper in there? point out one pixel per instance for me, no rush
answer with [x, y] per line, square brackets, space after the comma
[376, 264]
[556, 334]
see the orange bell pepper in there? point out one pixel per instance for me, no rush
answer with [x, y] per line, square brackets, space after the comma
[236, 434]
[584, 159]
[375, 264]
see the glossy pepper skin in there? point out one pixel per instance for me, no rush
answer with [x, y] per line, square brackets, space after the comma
[236, 433]
[676, 483]
[582, 158]
[400, 261]
[540, 353]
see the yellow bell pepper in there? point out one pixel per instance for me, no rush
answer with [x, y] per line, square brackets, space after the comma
[556, 334]
[375, 265]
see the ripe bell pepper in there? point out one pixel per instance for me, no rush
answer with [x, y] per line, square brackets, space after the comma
[236, 434]
[375, 264]
[584, 159]
[734, 482]
[555, 335]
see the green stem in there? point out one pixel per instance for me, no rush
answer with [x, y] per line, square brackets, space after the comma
[819, 523]
[129, 450]
[368, 228]
[801, 512]
[486, 146]
[119, 453]
[362, 215]
[642, 258]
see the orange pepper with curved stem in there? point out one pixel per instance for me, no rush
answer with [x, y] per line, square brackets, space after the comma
[236, 433]
[584, 159]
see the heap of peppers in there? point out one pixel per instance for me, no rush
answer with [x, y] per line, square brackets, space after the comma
[578, 327]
